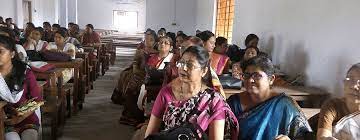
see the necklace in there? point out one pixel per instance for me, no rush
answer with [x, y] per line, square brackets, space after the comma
[182, 94]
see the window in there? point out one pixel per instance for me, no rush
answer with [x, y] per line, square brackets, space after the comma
[225, 18]
[125, 20]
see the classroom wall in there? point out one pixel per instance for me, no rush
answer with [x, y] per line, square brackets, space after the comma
[100, 12]
[42, 10]
[205, 15]
[163, 13]
[319, 39]
[8, 8]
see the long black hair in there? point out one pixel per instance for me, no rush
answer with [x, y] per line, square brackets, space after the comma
[16, 77]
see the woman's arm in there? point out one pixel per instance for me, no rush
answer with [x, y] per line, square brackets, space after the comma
[216, 130]
[324, 134]
[153, 126]
[326, 118]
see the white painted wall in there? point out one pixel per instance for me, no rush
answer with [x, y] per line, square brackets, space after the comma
[8, 9]
[42, 10]
[100, 12]
[162, 13]
[205, 15]
[318, 38]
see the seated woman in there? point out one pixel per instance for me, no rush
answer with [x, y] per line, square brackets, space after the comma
[21, 53]
[218, 62]
[48, 34]
[69, 39]
[252, 40]
[17, 86]
[221, 45]
[90, 37]
[179, 40]
[27, 31]
[61, 46]
[187, 97]
[130, 81]
[250, 52]
[337, 112]
[74, 31]
[262, 113]
[34, 41]
[154, 66]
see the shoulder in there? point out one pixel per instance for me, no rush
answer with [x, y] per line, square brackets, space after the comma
[70, 45]
[52, 44]
[29, 74]
[331, 104]
[166, 92]
[235, 98]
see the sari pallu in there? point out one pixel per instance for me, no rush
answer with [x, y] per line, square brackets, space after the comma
[218, 62]
[201, 110]
[348, 127]
[278, 115]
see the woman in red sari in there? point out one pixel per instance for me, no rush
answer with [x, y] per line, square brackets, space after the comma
[218, 62]
[154, 72]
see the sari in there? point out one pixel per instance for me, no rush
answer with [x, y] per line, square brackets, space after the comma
[201, 109]
[348, 128]
[129, 85]
[218, 62]
[154, 80]
[39, 46]
[278, 115]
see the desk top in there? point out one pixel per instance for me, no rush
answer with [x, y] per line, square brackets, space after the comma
[291, 90]
[67, 64]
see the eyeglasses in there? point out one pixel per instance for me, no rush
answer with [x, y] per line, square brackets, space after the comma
[351, 81]
[256, 76]
[187, 65]
[164, 42]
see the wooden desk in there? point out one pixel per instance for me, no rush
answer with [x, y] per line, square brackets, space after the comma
[310, 96]
[309, 112]
[84, 72]
[2, 119]
[75, 64]
[54, 101]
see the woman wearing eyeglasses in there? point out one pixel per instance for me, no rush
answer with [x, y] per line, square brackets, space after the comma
[262, 113]
[187, 97]
[340, 117]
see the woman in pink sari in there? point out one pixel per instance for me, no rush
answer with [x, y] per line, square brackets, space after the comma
[187, 99]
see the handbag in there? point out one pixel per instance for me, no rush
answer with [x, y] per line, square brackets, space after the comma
[34, 55]
[55, 56]
[229, 82]
[187, 131]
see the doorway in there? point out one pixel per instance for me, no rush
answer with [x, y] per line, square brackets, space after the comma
[27, 11]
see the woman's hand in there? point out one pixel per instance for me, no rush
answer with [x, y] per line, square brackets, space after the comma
[282, 137]
[236, 70]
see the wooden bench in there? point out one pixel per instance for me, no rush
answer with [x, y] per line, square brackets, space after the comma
[76, 65]
[2, 119]
[93, 69]
[85, 82]
[53, 110]
[307, 96]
